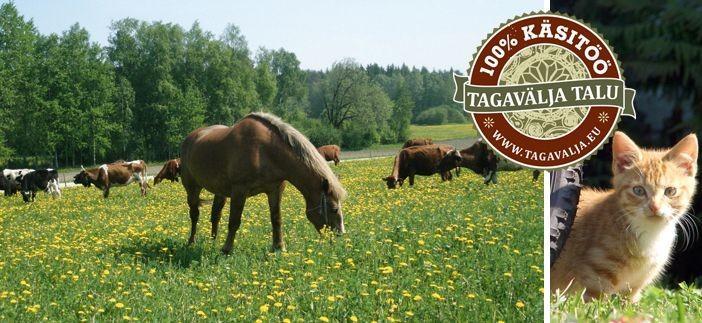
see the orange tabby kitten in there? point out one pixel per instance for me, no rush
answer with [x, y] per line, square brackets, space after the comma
[621, 239]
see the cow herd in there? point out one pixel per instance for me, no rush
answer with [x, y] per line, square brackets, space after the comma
[260, 154]
[423, 157]
[417, 157]
[29, 181]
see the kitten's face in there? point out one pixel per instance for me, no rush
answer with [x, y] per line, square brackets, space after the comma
[651, 184]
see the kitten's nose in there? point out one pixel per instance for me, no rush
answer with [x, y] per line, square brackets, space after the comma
[654, 208]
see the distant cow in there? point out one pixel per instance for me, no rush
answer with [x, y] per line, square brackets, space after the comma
[418, 142]
[452, 160]
[116, 174]
[170, 171]
[330, 153]
[41, 179]
[417, 160]
[11, 179]
[8, 187]
[481, 160]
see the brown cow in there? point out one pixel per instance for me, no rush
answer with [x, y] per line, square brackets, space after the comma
[330, 153]
[115, 174]
[170, 171]
[418, 142]
[482, 160]
[452, 160]
[417, 160]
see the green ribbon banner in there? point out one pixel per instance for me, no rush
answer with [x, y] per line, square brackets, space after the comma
[551, 95]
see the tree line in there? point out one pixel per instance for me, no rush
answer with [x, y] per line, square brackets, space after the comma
[65, 100]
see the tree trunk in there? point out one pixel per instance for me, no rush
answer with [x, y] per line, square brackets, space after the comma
[94, 160]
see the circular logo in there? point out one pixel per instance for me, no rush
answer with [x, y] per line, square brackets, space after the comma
[545, 91]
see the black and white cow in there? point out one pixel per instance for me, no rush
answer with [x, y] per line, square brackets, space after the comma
[40, 179]
[9, 188]
[10, 180]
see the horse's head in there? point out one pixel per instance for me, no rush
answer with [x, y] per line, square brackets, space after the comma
[326, 211]
[82, 178]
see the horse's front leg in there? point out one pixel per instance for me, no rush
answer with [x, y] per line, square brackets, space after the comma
[217, 206]
[236, 207]
[106, 191]
[274, 197]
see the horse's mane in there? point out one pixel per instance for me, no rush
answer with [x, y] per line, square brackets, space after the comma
[304, 149]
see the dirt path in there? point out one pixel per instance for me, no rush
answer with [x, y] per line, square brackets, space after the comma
[66, 177]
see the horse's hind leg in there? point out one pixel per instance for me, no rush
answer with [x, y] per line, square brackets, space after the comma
[217, 206]
[194, 204]
[236, 207]
[274, 197]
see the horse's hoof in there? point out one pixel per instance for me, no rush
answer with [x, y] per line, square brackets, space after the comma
[226, 252]
[278, 249]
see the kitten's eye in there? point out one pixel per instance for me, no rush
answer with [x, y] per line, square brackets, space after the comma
[639, 190]
[670, 191]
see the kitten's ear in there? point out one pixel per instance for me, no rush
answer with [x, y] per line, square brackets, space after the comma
[684, 153]
[624, 152]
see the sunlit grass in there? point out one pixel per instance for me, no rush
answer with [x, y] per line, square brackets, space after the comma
[683, 304]
[443, 132]
[453, 251]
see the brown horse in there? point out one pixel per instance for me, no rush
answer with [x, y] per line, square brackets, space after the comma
[257, 155]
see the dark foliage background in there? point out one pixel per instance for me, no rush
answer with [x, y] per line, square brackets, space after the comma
[659, 44]
[66, 101]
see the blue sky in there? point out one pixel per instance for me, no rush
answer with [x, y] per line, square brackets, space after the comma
[438, 35]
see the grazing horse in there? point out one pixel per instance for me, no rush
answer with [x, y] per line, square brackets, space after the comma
[170, 171]
[257, 155]
[418, 142]
[330, 153]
